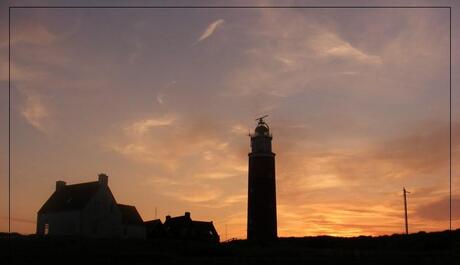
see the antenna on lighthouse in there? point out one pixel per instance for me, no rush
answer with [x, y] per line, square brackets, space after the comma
[261, 119]
[405, 209]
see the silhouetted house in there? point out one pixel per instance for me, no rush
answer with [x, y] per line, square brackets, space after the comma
[88, 209]
[183, 227]
[131, 221]
[154, 229]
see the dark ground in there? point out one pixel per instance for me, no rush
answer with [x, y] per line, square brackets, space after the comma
[420, 248]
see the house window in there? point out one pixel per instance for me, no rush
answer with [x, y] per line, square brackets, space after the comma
[47, 229]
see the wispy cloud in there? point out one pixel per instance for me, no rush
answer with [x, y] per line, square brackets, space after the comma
[330, 45]
[32, 32]
[34, 110]
[141, 127]
[195, 195]
[290, 57]
[226, 172]
[188, 191]
[35, 34]
[239, 129]
[439, 209]
[160, 99]
[336, 219]
[169, 142]
[210, 30]
[160, 95]
[236, 198]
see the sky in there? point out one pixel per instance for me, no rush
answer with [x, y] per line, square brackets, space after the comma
[162, 101]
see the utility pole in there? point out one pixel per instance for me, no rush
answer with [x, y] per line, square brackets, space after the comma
[405, 209]
[155, 212]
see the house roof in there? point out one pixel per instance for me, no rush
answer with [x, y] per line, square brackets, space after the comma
[130, 215]
[70, 197]
[153, 223]
[204, 226]
[154, 228]
[179, 220]
[178, 223]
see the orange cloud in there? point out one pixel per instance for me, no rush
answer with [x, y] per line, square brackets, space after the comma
[438, 210]
[34, 111]
[210, 30]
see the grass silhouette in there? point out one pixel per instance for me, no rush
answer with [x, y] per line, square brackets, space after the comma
[418, 248]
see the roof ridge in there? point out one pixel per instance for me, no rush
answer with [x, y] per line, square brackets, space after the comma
[204, 222]
[121, 204]
[81, 184]
[70, 197]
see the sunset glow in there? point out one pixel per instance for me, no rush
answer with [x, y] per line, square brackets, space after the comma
[162, 101]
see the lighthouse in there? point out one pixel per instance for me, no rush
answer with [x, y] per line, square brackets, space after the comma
[261, 186]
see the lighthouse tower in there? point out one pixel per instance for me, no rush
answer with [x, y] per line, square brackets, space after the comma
[261, 186]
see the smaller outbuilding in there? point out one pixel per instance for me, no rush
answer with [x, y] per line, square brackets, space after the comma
[154, 229]
[183, 227]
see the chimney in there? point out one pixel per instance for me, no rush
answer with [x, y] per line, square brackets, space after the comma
[60, 184]
[187, 215]
[103, 179]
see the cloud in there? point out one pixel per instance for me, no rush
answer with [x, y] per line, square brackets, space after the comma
[306, 178]
[195, 164]
[322, 181]
[194, 194]
[34, 110]
[202, 162]
[438, 210]
[299, 54]
[188, 191]
[161, 96]
[237, 198]
[160, 99]
[35, 34]
[420, 153]
[330, 45]
[205, 149]
[336, 219]
[310, 52]
[240, 130]
[227, 171]
[368, 180]
[210, 30]
[142, 126]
